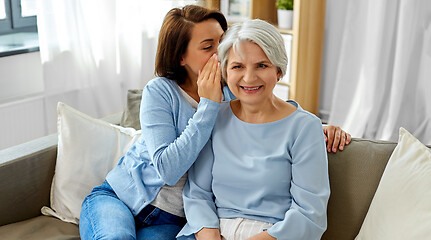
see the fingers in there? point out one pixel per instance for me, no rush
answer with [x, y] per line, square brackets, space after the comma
[214, 68]
[324, 133]
[348, 138]
[342, 140]
[209, 79]
[218, 73]
[206, 70]
[337, 137]
[330, 136]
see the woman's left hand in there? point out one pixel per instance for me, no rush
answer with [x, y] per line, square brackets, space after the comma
[335, 138]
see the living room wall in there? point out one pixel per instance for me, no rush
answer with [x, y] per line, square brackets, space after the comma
[21, 103]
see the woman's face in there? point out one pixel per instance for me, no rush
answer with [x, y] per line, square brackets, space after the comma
[251, 78]
[205, 38]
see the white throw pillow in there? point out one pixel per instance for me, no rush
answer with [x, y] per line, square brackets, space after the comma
[88, 149]
[401, 207]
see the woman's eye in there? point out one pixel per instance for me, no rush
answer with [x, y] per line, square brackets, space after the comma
[236, 66]
[263, 65]
[207, 48]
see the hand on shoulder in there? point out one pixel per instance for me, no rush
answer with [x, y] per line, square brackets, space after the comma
[335, 138]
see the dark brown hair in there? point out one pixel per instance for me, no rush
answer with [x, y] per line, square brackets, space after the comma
[174, 38]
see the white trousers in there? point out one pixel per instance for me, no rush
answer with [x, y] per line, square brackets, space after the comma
[241, 228]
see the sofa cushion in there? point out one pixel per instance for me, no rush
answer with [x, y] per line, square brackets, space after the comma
[354, 175]
[40, 228]
[401, 206]
[130, 117]
[88, 149]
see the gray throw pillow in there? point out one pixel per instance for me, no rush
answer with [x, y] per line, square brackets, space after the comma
[130, 117]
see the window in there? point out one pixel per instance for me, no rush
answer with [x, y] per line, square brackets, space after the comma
[2, 10]
[17, 16]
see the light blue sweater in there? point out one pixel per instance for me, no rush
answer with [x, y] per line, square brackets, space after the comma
[274, 172]
[173, 134]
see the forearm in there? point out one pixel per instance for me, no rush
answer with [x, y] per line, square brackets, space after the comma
[171, 154]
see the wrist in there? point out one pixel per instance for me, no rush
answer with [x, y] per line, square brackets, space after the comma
[208, 233]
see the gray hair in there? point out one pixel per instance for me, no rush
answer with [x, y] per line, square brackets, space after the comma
[265, 35]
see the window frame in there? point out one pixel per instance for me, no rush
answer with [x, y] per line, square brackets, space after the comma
[14, 22]
[6, 24]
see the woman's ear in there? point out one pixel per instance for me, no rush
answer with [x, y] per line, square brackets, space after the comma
[278, 74]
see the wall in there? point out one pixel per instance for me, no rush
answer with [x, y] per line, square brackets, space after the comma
[21, 75]
[21, 103]
[21, 82]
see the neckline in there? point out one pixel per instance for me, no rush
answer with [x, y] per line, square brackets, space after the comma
[193, 103]
[267, 123]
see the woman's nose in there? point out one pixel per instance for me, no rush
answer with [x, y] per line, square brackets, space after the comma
[215, 48]
[249, 76]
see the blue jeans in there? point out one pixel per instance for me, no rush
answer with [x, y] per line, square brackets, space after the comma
[105, 216]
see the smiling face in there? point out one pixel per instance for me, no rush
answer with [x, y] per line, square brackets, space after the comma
[251, 77]
[205, 38]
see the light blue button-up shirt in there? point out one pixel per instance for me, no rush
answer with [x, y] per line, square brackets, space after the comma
[274, 172]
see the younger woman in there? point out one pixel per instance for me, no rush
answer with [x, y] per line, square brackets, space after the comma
[141, 197]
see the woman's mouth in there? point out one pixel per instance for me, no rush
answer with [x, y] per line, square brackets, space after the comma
[251, 90]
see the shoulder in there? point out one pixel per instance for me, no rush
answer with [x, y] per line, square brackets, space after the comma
[225, 105]
[161, 83]
[224, 109]
[161, 87]
[224, 114]
[305, 116]
[305, 123]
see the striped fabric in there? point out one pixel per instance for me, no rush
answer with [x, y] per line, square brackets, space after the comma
[241, 228]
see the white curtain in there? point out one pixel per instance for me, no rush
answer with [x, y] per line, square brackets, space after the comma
[383, 69]
[93, 51]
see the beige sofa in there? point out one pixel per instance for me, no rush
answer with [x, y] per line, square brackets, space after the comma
[26, 173]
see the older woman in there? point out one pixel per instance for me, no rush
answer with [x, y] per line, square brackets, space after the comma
[263, 174]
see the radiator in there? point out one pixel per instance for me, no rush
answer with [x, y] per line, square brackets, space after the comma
[21, 121]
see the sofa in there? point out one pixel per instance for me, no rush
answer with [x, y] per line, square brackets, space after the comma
[27, 170]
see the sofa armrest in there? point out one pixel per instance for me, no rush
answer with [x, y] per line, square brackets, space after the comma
[26, 172]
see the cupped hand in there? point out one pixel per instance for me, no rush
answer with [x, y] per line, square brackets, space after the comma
[209, 80]
[335, 138]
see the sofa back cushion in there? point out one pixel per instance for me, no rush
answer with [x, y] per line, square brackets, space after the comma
[354, 175]
[130, 117]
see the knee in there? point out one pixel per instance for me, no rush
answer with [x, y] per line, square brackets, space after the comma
[87, 230]
[116, 236]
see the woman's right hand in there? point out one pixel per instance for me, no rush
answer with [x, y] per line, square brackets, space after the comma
[209, 80]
